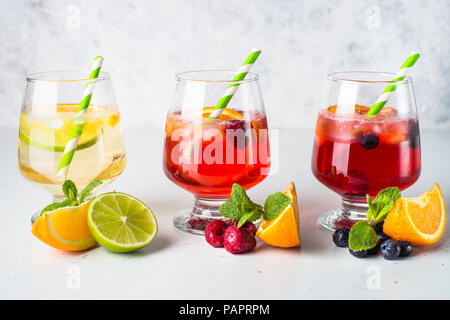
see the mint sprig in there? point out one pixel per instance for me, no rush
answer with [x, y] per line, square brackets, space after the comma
[362, 236]
[382, 204]
[240, 208]
[70, 191]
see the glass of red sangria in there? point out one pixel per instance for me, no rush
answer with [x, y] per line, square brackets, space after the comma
[355, 154]
[206, 155]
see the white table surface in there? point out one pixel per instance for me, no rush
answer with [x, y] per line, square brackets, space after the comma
[178, 265]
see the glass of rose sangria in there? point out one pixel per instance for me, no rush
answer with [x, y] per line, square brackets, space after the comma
[355, 154]
[205, 155]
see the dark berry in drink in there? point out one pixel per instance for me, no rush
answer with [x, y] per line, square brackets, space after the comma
[405, 248]
[368, 140]
[340, 237]
[390, 250]
[236, 131]
[359, 254]
[413, 134]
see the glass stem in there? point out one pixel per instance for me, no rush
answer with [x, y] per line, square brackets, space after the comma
[207, 208]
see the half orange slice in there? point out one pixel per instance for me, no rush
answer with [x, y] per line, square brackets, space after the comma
[421, 220]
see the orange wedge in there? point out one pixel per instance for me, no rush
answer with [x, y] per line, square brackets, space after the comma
[65, 228]
[284, 230]
[421, 220]
[227, 114]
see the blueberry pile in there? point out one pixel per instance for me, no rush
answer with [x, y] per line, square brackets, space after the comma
[389, 248]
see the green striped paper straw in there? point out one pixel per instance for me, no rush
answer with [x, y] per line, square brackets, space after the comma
[231, 90]
[399, 76]
[75, 134]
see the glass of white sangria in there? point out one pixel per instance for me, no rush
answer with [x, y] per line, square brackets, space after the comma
[49, 112]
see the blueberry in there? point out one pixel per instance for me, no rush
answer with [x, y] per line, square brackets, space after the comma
[340, 237]
[390, 250]
[405, 248]
[359, 254]
[383, 236]
[368, 140]
[239, 138]
[374, 250]
[414, 142]
[413, 134]
[378, 228]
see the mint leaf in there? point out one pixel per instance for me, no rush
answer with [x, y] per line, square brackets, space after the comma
[382, 204]
[88, 189]
[274, 204]
[251, 216]
[239, 207]
[57, 205]
[239, 195]
[372, 210]
[243, 220]
[362, 237]
[70, 190]
[229, 210]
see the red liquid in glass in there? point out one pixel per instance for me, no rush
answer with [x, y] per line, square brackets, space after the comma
[218, 159]
[354, 155]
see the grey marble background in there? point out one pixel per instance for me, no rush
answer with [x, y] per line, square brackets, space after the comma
[146, 42]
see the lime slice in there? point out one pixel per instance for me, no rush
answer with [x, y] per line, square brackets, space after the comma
[52, 148]
[120, 222]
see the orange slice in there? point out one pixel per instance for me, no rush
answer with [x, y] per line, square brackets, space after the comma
[284, 230]
[420, 220]
[65, 228]
[227, 114]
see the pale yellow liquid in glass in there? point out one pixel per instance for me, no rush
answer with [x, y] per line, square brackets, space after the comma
[100, 152]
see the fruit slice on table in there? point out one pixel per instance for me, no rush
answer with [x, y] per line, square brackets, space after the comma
[421, 220]
[65, 228]
[120, 222]
[284, 230]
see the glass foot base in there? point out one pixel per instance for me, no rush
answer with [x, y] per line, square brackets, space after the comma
[189, 222]
[35, 216]
[196, 220]
[345, 217]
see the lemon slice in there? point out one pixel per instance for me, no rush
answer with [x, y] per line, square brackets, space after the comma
[121, 223]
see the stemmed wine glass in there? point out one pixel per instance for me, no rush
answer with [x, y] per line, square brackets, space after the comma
[205, 155]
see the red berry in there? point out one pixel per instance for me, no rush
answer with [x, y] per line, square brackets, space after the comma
[214, 233]
[238, 240]
[249, 226]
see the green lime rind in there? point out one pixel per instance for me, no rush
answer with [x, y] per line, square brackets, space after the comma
[47, 147]
[120, 222]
